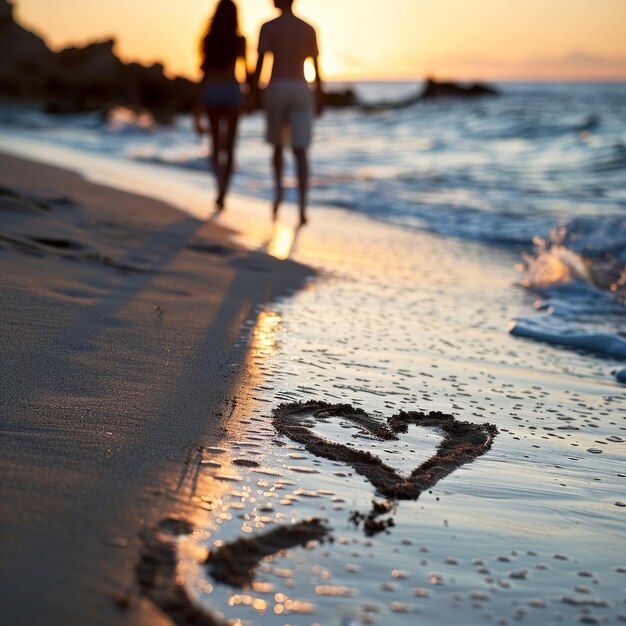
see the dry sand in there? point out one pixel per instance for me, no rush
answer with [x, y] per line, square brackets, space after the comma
[119, 323]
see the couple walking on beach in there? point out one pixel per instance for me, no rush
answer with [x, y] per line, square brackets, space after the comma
[288, 101]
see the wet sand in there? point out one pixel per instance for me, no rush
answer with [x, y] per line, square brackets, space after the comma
[529, 532]
[120, 324]
[397, 323]
[463, 442]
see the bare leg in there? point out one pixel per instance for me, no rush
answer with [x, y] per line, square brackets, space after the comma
[302, 164]
[278, 178]
[231, 119]
[216, 134]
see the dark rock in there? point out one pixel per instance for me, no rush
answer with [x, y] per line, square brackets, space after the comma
[339, 99]
[433, 89]
[83, 79]
[27, 63]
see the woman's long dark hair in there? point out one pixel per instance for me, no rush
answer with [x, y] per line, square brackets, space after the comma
[221, 41]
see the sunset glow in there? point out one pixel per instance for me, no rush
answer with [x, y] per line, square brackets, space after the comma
[366, 39]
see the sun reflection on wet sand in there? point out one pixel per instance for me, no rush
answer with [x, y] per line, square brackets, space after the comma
[282, 241]
[264, 334]
[219, 494]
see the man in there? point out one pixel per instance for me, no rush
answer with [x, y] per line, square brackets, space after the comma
[289, 103]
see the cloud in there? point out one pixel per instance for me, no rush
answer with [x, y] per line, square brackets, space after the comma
[576, 65]
[580, 59]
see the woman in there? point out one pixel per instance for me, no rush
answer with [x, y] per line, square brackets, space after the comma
[220, 96]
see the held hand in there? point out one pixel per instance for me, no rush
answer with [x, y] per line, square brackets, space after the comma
[249, 103]
[253, 101]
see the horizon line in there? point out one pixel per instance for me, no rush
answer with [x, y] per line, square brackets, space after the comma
[421, 79]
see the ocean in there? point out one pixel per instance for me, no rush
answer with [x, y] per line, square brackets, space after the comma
[539, 170]
[470, 261]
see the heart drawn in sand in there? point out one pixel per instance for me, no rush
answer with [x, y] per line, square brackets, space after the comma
[463, 442]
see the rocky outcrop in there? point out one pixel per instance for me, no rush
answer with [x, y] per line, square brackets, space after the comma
[433, 89]
[339, 99]
[93, 78]
[82, 79]
[27, 63]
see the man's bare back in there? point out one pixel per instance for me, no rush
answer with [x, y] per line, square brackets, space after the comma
[291, 41]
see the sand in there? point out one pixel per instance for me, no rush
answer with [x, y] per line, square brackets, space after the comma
[463, 443]
[528, 532]
[163, 459]
[120, 325]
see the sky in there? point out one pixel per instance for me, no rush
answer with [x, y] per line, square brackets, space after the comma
[369, 39]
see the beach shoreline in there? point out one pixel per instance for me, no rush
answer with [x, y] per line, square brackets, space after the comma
[121, 325]
[397, 320]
